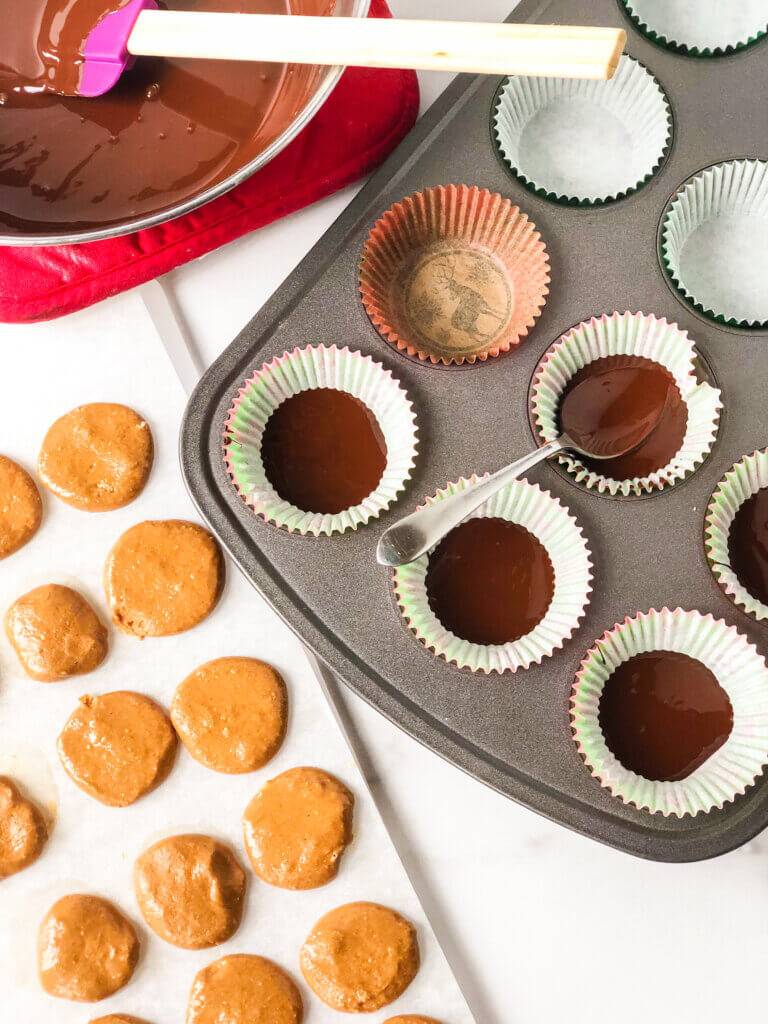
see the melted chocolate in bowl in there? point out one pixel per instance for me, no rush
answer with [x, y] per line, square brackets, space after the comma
[663, 714]
[748, 545]
[614, 401]
[323, 450]
[169, 130]
[490, 581]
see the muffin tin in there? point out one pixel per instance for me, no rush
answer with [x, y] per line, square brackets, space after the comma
[513, 730]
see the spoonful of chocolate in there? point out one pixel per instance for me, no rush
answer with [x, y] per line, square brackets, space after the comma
[85, 45]
[604, 416]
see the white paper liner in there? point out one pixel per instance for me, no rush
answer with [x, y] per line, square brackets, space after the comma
[745, 478]
[702, 28]
[558, 531]
[635, 334]
[714, 242]
[738, 668]
[581, 141]
[303, 370]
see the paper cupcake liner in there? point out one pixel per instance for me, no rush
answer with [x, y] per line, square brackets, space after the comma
[558, 531]
[454, 274]
[605, 138]
[303, 370]
[710, 239]
[700, 28]
[745, 478]
[638, 335]
[739, 669]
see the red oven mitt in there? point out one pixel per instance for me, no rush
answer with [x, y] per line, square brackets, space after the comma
[362, 121]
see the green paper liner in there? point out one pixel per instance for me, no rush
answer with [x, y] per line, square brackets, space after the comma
[733, 195]
[635, 334]
[632, 100]
[739, 669]
[454, 275]
[558, 531]
[708, 28]
[301, 370]
[743, 479]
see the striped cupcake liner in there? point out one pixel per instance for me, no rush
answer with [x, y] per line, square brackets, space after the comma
[739, 669]
[302, 370]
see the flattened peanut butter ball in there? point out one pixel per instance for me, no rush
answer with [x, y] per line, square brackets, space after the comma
[55, 633]
[231, 714]
[97, 457]
[86, 949]
[360, 957]
[118, 746]
[163, 577]
[23, 831]
[20, 507]
[243, 989]
[117, 1018]
[297, 827]
[411, 1018]
[190, 890]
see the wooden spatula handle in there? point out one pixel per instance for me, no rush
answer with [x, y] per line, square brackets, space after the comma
[427, 45]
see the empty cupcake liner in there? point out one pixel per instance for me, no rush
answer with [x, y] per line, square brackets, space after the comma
[558, 531]
[737, 666]
[714, 242]
[302, 370]
[745, 478]
[454, 274]
[634, 334]
[584, 142]
[700, 28]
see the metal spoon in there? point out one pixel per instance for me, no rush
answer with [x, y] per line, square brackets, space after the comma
[415, 534]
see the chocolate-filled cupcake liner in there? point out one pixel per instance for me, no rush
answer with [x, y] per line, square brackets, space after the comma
[700, 28]
[713, 242]
[739, 669]
[635, 334]
[584, 142]
[557, 530]
[745, 478]
[302, 370]
[454, 274]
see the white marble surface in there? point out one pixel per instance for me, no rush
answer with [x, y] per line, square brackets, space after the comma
[542, 926]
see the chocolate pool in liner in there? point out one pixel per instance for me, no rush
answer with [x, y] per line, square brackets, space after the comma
[714, 242]
[301, 370]
[454, 274]
[557, 530]
[739, 669]
[745, 478]
[634, 334]
[583, 142]
[700, 28]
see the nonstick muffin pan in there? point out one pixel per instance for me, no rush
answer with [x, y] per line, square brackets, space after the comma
[513, 730]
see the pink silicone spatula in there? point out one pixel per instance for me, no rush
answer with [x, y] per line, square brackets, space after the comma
[140, 29]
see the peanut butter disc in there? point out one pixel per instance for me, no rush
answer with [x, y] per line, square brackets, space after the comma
[190, 890]
[117, 747]
[411, 1018]
[55, 633]
[231, 714]
[360, 957]
[243, 989]
[163, 577]
[118, 1018]
[86, 949]
[23, 831]
[97, 457]
[20, 507]
[297, 827]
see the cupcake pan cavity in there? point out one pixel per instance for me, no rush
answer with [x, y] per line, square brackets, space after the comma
[511, 730]
[701, 28]
[714, 242]
[583, 142]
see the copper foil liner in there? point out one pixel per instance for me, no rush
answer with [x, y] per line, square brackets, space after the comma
[454, 274]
